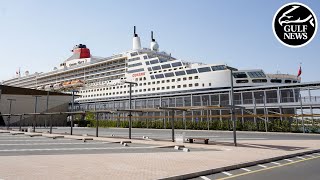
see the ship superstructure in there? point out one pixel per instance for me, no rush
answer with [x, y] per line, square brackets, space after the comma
[155, 72]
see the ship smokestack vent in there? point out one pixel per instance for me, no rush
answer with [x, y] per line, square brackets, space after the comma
[136, 44]
[154, 46]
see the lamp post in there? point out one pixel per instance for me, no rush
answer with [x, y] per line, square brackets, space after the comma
[72, 109]
[130, 94]
[302, 118]
[9, 117]
[232, 109]
[45, 120]
[265, 112]
[35, 111]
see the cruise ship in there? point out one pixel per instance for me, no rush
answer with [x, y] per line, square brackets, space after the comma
[155, 72]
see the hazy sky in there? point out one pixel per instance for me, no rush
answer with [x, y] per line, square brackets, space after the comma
[38, 35]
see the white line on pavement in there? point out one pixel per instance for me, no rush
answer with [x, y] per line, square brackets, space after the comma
[71, 149]
[245, 169]
[262, 166]
[309, 155]
[39, 140]
[301, 157]
[288, 160]
[226, 173]
[205, 178]
[52, 143]
[275, 163]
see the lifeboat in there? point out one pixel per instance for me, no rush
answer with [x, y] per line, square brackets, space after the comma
[40, 88]
[77, 83]
[48, 87]
[57, 86]
[66, 84]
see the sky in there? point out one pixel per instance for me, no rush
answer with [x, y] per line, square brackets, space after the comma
[37, 35]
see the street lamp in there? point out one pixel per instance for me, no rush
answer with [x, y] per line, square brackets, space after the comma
[9, 117]
[45, 120]
[72, 109]
[35, 111]
[232, 108]
[130, 92]
[265, 111]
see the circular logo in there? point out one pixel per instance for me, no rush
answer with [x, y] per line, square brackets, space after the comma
[295, 25]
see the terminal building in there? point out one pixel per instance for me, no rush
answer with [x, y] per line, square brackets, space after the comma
[20, 101]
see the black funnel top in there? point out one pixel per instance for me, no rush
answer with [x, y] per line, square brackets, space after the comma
[152, 39]
[134, 32]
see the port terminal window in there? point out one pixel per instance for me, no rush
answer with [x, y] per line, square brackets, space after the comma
[259, 80]
[134, 65]
[240, 75]
[256, 74]
[169, 74]
[156, 68]
[192, 71]
[287, 81]
[276, 80]
[158, 76]
[242, 81]
[180, 73]
[136, 70]
[166, 66]
[134, 59]
[154, 61]
[218, 68]
[176, 64]
[204, 69]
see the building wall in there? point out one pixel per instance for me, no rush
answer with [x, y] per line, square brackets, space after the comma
[26, 104]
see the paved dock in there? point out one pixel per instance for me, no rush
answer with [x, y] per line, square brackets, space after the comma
[39, 157]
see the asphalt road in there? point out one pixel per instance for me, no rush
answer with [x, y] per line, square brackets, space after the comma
[305, 170]
[296, 168]
[165, 134]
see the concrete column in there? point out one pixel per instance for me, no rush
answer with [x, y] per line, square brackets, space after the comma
[220, 111]
[191, 100]
[278, 95]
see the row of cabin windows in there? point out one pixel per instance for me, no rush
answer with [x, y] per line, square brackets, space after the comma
[192, 71]
[165, 70]
[140, 84]
[265, 80]
[148, 89]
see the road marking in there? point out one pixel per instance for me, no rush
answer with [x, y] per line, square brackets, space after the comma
[309, 155]
[52, 143]
[317, 154]
[264, 169]
[260, 165]
[245, 169]
[72, 149]
[288, 160]
[275, 163]
[300, 157]
[205, 178]
[226, 173]
[39, 140]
